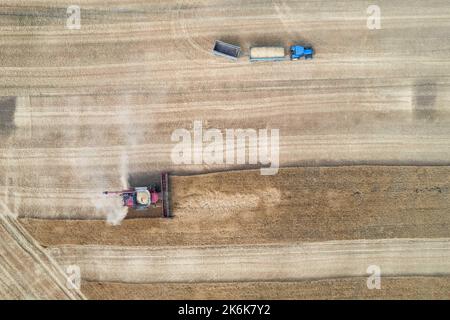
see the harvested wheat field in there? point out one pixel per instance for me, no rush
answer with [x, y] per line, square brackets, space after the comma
[362, 129]
[27, 271]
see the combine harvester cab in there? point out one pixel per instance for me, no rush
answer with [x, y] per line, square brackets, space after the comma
[141, 198]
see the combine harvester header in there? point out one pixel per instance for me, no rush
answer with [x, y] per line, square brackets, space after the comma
[141, 198]
[233, 52]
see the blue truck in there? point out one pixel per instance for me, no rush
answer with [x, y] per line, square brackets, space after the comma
[233, 52]
[277, 53]
[297, 52]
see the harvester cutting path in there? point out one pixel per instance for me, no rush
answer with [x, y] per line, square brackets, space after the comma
[141, 198]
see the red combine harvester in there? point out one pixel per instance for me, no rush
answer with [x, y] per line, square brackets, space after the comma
[140, 198]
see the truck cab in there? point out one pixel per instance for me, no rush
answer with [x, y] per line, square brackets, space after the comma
[297, 52]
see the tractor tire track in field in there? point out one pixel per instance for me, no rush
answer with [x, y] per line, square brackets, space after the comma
[26, 270]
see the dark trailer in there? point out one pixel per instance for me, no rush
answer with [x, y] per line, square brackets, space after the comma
[226, 50]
